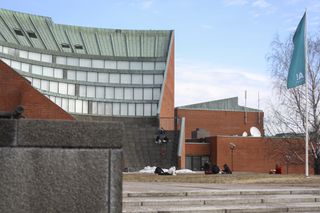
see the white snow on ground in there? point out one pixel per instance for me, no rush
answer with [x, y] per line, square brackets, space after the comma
[184, 171]
[150, 169]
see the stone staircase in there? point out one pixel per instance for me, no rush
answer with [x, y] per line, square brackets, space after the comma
[139, 145]
[224, 201]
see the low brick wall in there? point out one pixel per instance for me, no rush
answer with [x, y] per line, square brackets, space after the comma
[60, 166]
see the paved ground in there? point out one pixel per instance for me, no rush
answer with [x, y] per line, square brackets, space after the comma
[178, 187]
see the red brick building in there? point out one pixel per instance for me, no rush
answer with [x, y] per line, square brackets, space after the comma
[215, 132]
[15, 90]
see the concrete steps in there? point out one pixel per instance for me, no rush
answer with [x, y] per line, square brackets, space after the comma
[300, 200]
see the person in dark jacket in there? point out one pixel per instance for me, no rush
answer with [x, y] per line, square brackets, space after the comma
[226, 169]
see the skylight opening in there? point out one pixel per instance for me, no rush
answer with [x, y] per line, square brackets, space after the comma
[78, 46]
[32, 34]
[18, 32]
[65, 45]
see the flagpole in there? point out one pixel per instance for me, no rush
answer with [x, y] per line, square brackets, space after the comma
[307, 110]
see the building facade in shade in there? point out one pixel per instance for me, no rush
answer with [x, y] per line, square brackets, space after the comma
[92, 71]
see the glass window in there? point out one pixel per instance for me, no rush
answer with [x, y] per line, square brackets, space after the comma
[23, 54]
[71, 105]
[25, 67]
[85, 62]
[147, 110]
[61, 60]
[11, 51]
[63, 88]
[100, 108]
[135, 65]
[123, 65]
[36, 83]
[160, 65]
[147, 94]
[5, 50]
[156, 94]
[65, 104]
[71, 89]
[34, 56]
[48, 71]
[110, 64]
[125, 79]
[124, 109]
[71, 75]
[109, 92]
[100, 92]
[128, 93]
[7, 61]
[154, 109]
[72, 61]
[85, 107]
[137, 94]
[58, 73]
[45, 85]
[59, 101]
[148, 65]
[16, 65]
[46, 58]
[139, 109]
[97, 63]
[116, 109]
[82, 91]
[29, 79]
[147, 79]
[136, 79]
[92, 76]
[114, 78]
[52, 98]
[36, 70]
[90, 92]
[158, 79]
[81, 76]
[53, 86]
[94, 108]
[108, 109]
[118, 93]
[1, 49]
[103, 77]
[78, 106]
[131, 109]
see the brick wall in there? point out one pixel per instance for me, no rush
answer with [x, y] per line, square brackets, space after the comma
[16, 90]
[258, 154]
[220, 122]
[167, 104]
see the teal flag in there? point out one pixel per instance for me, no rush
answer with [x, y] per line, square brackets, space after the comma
[297, 70]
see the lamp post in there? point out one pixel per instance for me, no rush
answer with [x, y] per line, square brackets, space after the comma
[232, 147]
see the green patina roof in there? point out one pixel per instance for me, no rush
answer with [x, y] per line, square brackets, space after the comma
[94, 41]
[228, 104]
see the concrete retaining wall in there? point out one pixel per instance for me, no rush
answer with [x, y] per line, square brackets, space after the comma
[60, 166]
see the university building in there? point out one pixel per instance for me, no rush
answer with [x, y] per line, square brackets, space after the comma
[58, 71]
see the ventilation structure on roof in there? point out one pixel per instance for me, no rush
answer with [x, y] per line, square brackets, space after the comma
[32, 34]
[18, 32]
[78, 46]
[65, 45]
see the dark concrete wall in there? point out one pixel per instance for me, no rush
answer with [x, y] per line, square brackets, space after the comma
[60, 166]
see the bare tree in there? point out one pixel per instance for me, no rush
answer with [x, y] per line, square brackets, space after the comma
[287, 112]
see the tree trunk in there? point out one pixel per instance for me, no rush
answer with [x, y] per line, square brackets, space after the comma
[317, 166]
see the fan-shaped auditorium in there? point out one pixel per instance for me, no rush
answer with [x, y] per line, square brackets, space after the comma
[64, 72]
